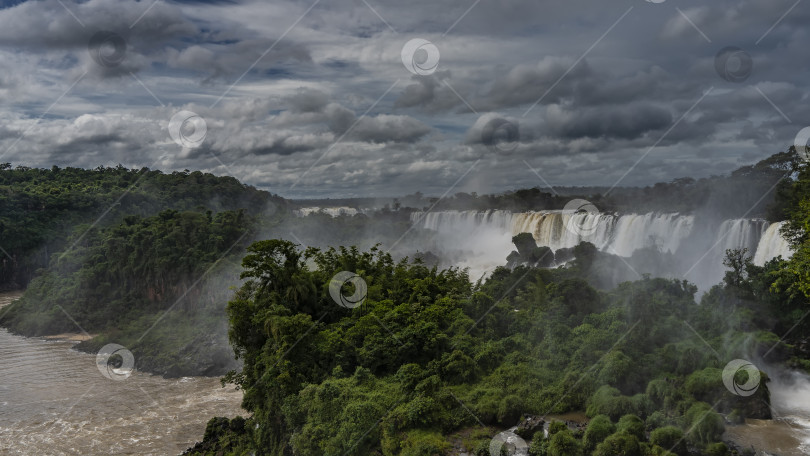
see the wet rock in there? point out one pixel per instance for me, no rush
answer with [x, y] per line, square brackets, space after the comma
[528, 425]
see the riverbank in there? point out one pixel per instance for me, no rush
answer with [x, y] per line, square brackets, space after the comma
[172, 344]
[70, 337]
[54, 400]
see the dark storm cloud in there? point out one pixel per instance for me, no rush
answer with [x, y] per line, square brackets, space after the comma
[47, 25]
[625, 122]
[317, 102]
[387, 128]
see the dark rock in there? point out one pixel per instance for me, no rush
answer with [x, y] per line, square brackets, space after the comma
[528, 425]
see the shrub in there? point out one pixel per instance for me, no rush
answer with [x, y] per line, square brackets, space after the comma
[704, 424]
[632, 425]
[669, 438]
[510, 409]
[716, 449]
[424, 443]
[619, 445]
[608, 401]
[563, 443]
[555, 427]
[657, 419]
[599, 428]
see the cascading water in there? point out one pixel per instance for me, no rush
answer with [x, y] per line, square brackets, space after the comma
[788, 433]
[617, 234]
[772, 245]
[476, 240]
[485, 237]
[331, 211]
[741, 233]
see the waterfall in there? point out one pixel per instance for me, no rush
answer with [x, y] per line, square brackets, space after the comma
[331, 211]
[772, 245]
[484, 237]
[478, 240]
[551, 228]
[741, 234]
[617, 234]
[666, 231]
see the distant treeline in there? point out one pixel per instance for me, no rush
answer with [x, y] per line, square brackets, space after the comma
[751, 191]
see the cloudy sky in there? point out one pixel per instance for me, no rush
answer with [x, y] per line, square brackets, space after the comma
[383, 97]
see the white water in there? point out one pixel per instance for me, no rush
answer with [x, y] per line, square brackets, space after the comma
[331, 211]
[771, 245]
[476, 240]
[791, 400]
[620, 235]
[482, 239]
[788, 433]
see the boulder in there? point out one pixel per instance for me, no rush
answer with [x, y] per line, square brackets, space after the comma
[529, 425]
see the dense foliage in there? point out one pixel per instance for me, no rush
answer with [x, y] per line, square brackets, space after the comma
[428, 357]
[136, 257]
[155, 284]
[40, 209]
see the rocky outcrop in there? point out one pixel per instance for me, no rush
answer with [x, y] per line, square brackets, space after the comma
[529, 425]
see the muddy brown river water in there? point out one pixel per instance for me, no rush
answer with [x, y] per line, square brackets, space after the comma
[55, 401]
[788, 434]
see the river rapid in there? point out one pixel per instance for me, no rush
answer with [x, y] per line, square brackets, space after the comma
[55, 401]
[788, 434]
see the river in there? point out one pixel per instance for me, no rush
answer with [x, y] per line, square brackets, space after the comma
[55, 401]
[788, 434]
